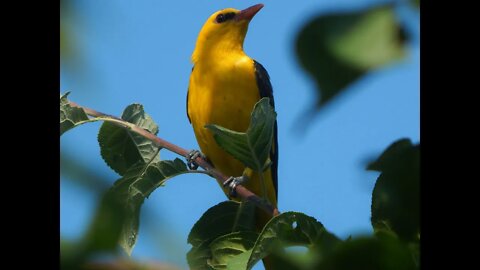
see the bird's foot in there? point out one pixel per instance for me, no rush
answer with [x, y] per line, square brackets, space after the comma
[192, 155]
[233, 182]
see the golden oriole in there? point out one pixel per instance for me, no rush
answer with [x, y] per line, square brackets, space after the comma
[224, 86]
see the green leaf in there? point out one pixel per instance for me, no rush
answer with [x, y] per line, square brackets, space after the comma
[293, 229]
[136, 185]
[385, 253]
[221, 219]
[253, 147]
[198, 257]
[216, 227]
[396, 195]
[337, 49]
[121, 148]
[239, 261]
[70, 117]
[226, 247]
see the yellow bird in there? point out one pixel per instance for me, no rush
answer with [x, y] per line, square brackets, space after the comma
[225, 84]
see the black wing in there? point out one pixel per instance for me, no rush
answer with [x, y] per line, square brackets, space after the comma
[186, 103]
[265, 88]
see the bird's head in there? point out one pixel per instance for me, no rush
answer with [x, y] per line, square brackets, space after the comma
[224, 31]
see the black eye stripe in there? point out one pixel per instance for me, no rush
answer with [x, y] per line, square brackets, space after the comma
[224, 17]
[230, 15]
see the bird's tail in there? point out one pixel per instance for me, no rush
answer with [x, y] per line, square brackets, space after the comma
[262, 217]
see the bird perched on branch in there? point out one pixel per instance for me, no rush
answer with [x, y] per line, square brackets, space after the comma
[225, 84]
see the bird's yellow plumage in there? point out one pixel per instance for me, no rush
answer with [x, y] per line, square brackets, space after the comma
[224, 86]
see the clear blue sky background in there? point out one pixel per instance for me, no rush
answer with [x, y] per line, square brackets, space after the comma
[139, 52]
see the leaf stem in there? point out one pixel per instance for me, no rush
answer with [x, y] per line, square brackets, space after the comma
[264, 187]
[242, 192]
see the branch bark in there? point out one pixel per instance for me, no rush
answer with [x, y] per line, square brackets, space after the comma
[241, 191]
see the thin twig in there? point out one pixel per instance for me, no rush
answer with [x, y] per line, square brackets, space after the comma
[241, 191]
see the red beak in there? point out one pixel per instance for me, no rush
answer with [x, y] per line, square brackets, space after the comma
[248, 13]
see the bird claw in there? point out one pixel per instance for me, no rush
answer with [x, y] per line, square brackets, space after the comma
[192, 155]
[233, 182]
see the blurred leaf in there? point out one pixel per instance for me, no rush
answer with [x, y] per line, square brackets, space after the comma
[71, 254]
[293, 229]
[388, 160]
[122, 264]
[396, 195]
[68, 50]
[386, 253]
[121, 148]
[102, 235]
[136, 185]
[297, 261]
[415, 251]
[105, 230]
[218, 222]
[416, 3]
[116, 220]
[337, 49]
[81, 172]
[70, 117]
[69, 53]
[226, 247]
[253, 147]
[66, 245]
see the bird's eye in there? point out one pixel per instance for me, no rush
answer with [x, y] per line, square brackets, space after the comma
[224, 17]
[220, 18]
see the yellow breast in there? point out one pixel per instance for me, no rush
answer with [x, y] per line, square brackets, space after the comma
[222, 93]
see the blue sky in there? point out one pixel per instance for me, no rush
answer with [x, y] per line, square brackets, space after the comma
[139, 52]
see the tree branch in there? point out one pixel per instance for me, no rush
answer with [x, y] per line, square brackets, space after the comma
[241, 191]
